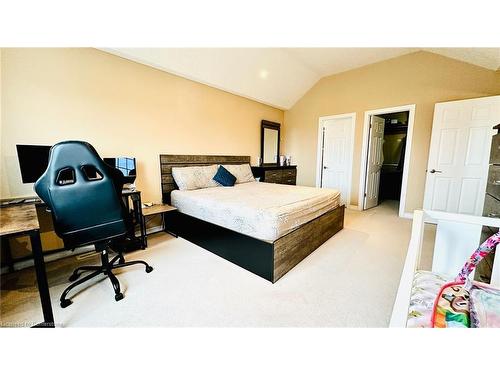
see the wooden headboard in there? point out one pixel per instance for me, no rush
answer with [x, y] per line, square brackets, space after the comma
[168, 161]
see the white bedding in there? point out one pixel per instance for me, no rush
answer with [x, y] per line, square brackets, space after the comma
[257, 209]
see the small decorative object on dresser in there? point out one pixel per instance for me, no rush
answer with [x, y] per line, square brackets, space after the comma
[276, 174]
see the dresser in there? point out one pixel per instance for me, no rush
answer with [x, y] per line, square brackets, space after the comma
[276, 174]
[492, 199]
[491, 205]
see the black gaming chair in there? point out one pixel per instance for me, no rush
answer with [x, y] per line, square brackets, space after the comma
[84, 196]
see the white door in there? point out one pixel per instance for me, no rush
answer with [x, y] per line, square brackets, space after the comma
[337, 155]
[459, 154]
[375, 161]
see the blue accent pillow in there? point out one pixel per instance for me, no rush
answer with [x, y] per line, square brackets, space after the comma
[224, 177]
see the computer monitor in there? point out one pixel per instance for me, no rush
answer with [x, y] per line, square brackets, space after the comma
[33, 161]
[126, 165]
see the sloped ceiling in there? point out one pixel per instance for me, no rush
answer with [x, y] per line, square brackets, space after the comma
[488, 58]
[279, 76]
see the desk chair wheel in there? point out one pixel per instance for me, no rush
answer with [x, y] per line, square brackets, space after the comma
[118, 296]
[149, 269]
[65, 303]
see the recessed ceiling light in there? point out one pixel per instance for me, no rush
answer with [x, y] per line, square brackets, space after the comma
[263, 74]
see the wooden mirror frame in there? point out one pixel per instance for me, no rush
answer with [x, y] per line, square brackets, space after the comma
[274, 126]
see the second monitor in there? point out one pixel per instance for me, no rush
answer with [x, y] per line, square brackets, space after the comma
[126, 165]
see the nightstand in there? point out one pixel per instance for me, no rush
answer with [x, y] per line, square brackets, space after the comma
[157, 209]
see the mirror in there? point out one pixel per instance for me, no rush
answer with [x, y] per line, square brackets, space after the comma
[269, 142]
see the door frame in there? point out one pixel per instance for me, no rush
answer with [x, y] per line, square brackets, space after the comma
[406, 167]
[319, 156]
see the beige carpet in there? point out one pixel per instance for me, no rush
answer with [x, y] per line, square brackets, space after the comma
[350, 281]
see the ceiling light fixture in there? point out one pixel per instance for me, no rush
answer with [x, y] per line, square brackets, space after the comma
[264, 74]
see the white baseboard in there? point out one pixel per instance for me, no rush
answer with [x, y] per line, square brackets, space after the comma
[150, 230]
[19, 265]
[407, 215]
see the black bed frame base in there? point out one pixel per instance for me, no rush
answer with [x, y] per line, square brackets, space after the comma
[254, 255]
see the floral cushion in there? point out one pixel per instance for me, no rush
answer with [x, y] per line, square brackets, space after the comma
[426, 286]
[242, 172]
[192, 178]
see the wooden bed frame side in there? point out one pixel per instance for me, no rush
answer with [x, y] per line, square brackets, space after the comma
[399, 315]
[293, 247]
[270, 260]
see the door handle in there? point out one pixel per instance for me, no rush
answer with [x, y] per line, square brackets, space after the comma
[325, 167]
[434, 171]
[493, 215]
[496, 183]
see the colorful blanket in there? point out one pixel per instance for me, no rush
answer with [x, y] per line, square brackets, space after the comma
[453, 305]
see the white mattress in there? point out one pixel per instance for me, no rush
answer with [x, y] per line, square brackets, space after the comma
[257, 209]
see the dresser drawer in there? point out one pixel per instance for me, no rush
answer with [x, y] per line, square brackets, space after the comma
[289, 173]
[495, 150]
[289, 177]
[493, 187]
[491, 207]
[273, 176]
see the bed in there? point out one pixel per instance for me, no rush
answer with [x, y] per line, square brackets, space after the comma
[264, 228]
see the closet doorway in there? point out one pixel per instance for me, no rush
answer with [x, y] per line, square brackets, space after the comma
[385, 157]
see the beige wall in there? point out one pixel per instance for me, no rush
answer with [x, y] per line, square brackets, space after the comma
[122, 108]
[420, 78]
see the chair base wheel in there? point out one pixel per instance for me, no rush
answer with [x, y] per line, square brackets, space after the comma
[74, 277]
[118, 296]
[149, 269]
[65, 303]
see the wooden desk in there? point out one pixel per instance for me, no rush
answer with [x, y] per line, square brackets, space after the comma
[127, 195]
[22, 220]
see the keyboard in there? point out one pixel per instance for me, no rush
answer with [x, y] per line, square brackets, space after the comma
[32, 200]
[21, 200]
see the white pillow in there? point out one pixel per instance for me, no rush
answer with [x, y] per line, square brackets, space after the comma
[242, 172]
[192, 178]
